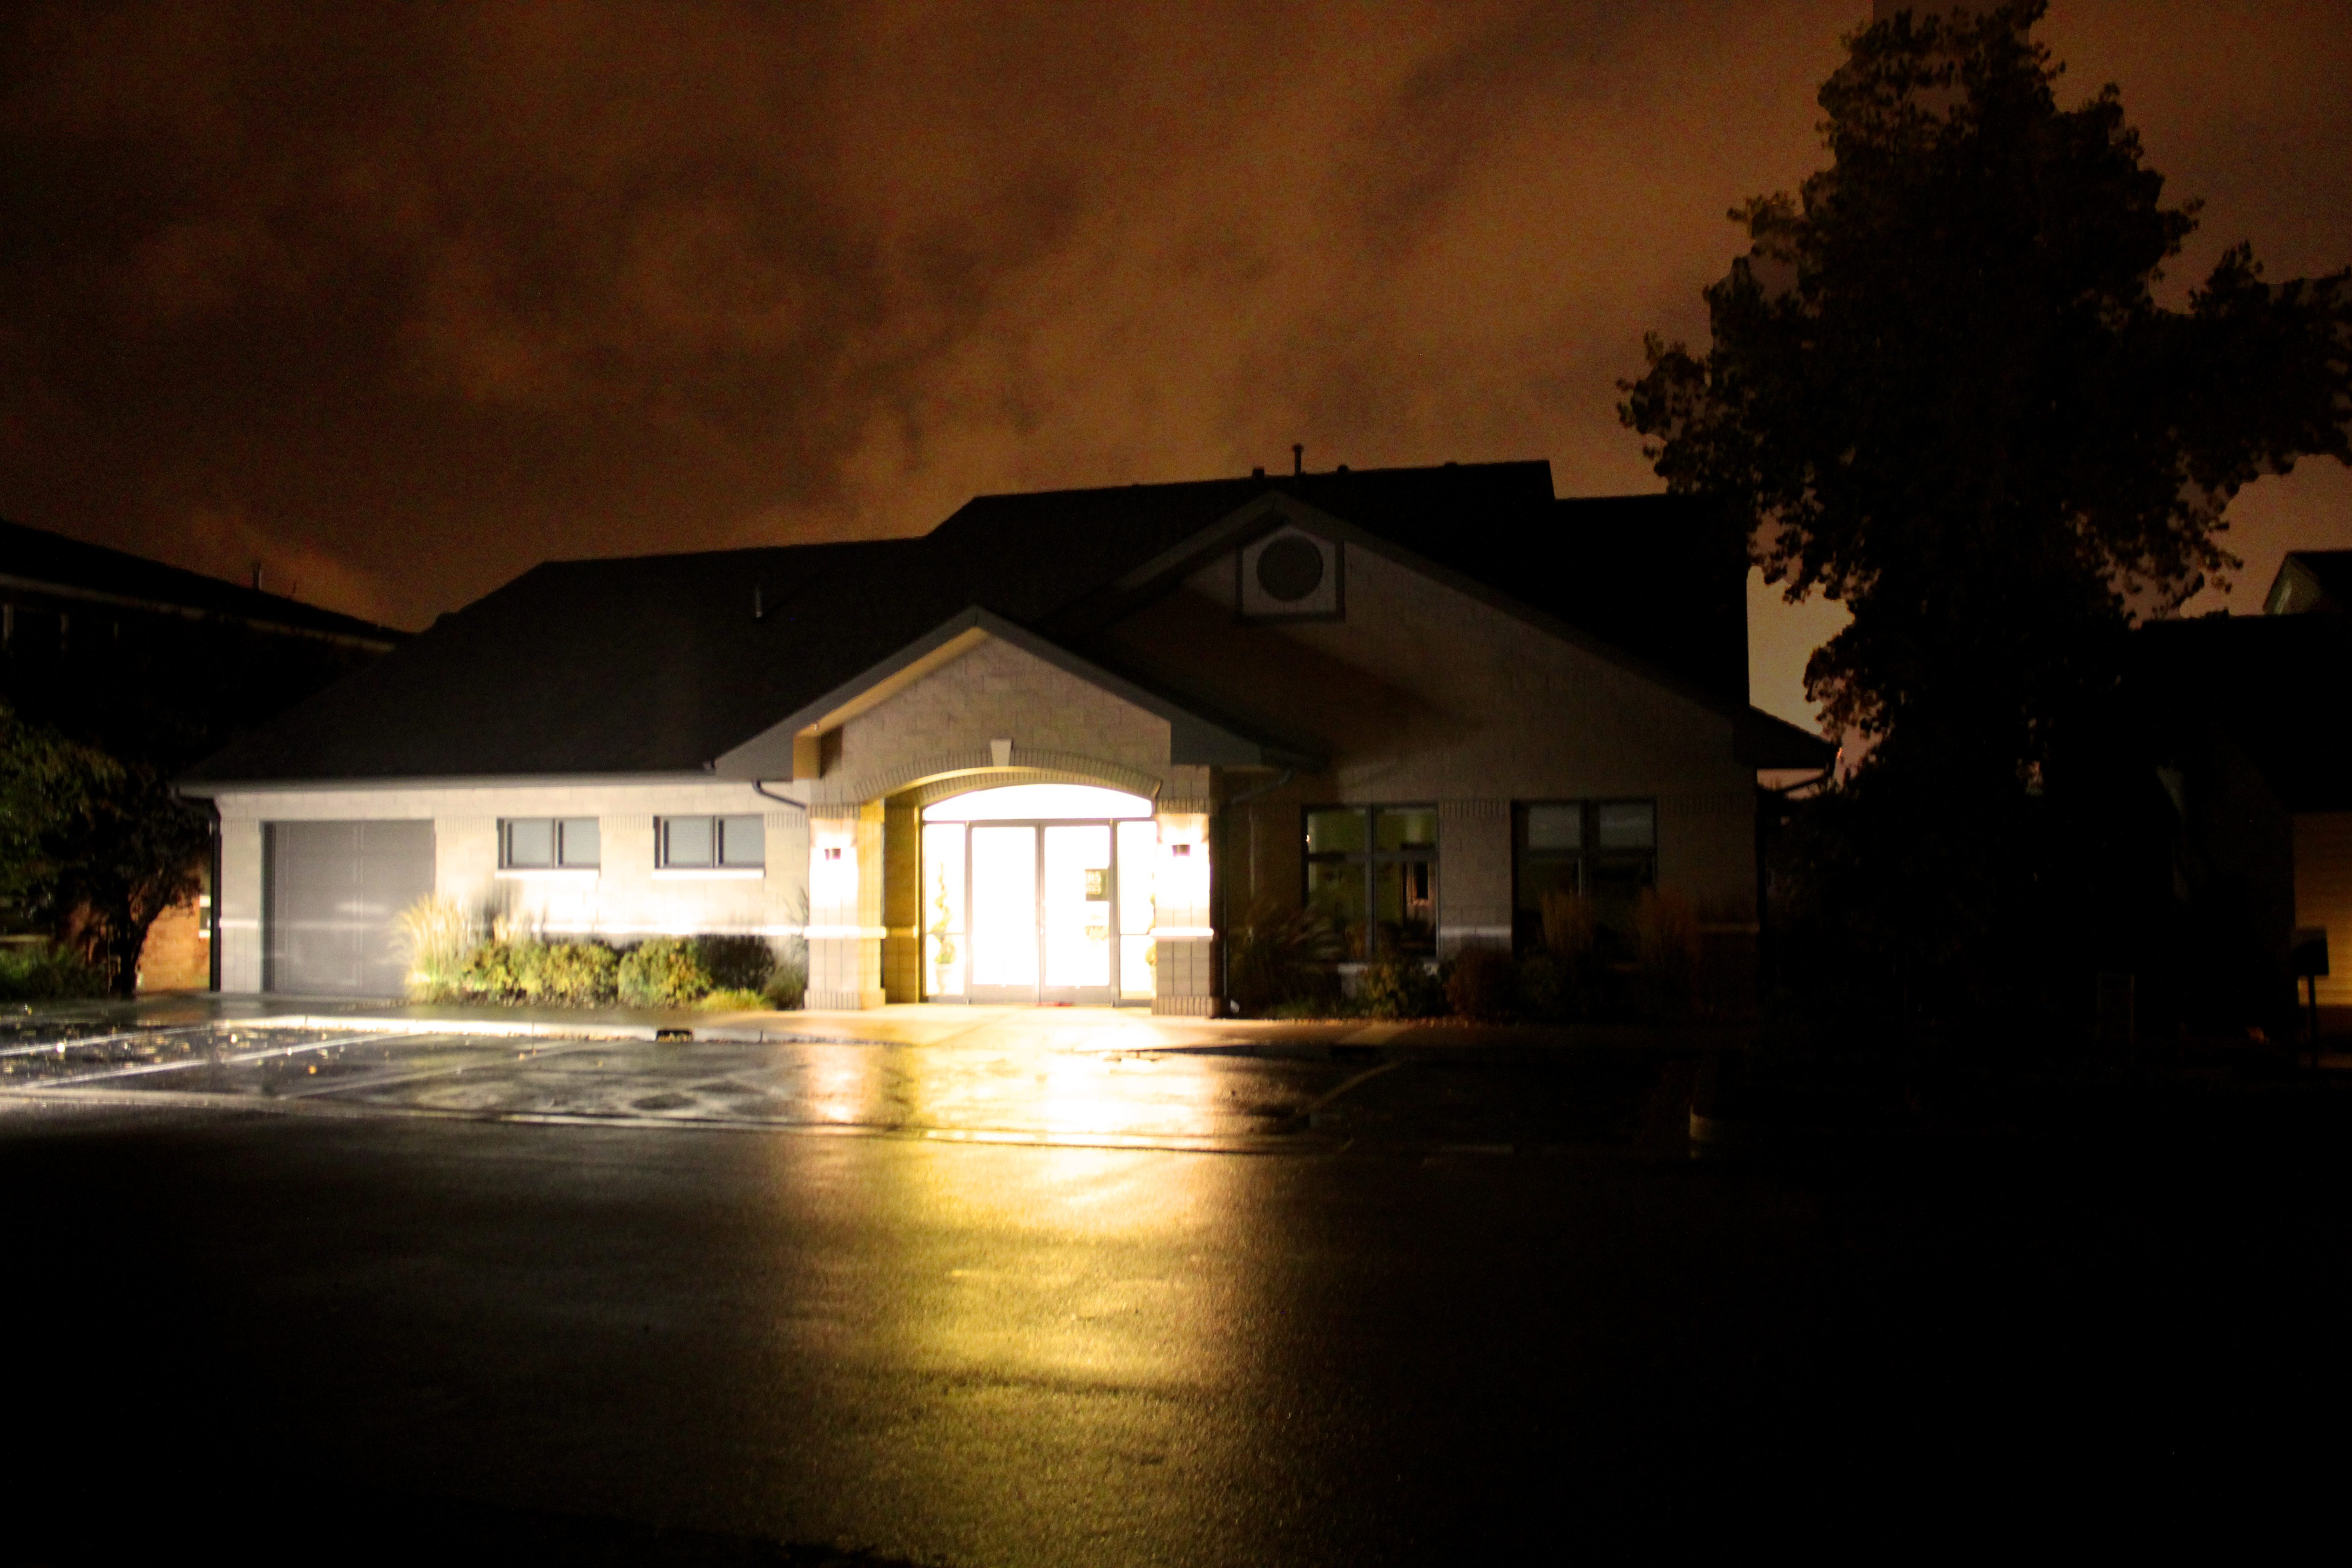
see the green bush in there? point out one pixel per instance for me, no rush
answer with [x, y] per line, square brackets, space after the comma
[1400, 988]
[666, 972]
[787, 987]
[1482, 984]
[569, 974]
[547, 974]
[487, 973]
[734, 999]
[736, 963]
[29, 973]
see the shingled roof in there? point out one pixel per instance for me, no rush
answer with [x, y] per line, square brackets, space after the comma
[35, 560]
[658, 664]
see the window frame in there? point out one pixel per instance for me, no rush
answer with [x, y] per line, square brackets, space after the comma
[1372, 858]
[559, 860]
[717, 865]
[1526, 925]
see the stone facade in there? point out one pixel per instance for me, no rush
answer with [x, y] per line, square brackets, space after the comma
[996, 715]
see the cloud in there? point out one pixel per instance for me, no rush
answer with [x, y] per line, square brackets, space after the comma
[434, 293]
[227, 543]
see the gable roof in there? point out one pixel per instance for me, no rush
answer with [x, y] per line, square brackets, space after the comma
[1195, 737]
[660, 665]
[36, 560]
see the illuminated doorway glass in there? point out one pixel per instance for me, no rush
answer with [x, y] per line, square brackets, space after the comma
[1003, 912]
[1075, 893]
[1043, 909]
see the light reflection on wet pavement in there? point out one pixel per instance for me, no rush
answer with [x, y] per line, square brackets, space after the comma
[1072, 1085]
[527, 1285]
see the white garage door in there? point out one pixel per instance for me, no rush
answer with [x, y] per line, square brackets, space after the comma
[332, 891]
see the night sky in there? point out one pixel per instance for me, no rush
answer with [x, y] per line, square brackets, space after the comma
[401, 301]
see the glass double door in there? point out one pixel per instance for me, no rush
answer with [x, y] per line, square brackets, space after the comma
[1042, 927]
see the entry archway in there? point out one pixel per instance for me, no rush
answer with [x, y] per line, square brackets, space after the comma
[1038, 893]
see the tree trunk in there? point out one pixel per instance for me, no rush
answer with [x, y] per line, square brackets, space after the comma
[125, 938]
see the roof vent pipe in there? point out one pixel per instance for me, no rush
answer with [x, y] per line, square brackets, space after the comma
[1297, 457]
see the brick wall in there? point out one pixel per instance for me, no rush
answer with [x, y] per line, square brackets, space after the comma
[178, 953]
[996, 691]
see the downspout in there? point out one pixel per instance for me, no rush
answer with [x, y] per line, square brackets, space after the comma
[759, 788]
[1225, 912]
[213, 914]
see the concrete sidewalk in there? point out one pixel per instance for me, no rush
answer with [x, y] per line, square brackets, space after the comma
[1073, 1029]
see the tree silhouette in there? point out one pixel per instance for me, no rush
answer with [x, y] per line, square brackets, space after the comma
[1940, 388]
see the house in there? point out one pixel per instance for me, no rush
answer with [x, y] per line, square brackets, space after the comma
[2311, 581]
[2257, 765]
[1048, 752]
[151, 662]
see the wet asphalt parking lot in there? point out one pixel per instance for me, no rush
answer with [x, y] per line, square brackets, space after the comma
[331, 1294]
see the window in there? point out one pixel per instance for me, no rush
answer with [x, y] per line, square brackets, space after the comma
[1373, 872]
[548, 843]
[1605, 851]
[711, 842]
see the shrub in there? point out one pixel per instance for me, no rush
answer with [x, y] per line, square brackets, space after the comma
[1568, 928]
[435, 936]
[1666, 940]
[567, 973]
[1281, 958]
[45, 974]
[663, 972]
[734, 999]
[787, 987]
[1400, 988]
[1548, 990]
[1569, 979]
[489, 973]
[736, 963]
[1482, 984]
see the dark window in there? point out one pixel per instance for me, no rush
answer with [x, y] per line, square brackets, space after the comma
[1373, 872]
[733, 842]
[545, 842]
[1603, 851]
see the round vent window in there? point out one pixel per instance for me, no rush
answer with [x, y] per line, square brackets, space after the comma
[1289, 568]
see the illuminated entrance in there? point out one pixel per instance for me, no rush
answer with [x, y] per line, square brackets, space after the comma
[1038, 893]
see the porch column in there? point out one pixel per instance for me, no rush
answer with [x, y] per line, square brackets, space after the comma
[844, 934]
[1184, 970]
[902, 902]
